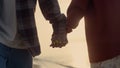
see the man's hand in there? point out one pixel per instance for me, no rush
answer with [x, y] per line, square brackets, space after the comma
[59, 36]
[59, 40]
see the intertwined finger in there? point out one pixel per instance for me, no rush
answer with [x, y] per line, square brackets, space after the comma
[58, 43]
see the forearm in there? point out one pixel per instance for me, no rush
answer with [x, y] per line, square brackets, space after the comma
[50, 9]
[73, 17]
[75, 12]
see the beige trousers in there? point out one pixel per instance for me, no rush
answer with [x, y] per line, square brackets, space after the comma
[111, 63]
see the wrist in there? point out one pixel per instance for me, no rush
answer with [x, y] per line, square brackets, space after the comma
[58, 18]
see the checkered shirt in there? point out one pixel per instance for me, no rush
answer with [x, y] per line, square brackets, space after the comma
[26, 22]
[26, 25]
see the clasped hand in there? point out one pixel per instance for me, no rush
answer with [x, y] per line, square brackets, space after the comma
[59, 36]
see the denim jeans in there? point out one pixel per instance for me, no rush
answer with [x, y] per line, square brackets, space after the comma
[14, 58]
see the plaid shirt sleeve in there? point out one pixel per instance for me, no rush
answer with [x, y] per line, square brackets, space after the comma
[26, 27]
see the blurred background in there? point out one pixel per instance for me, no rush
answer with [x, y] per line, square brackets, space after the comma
[73, 55]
